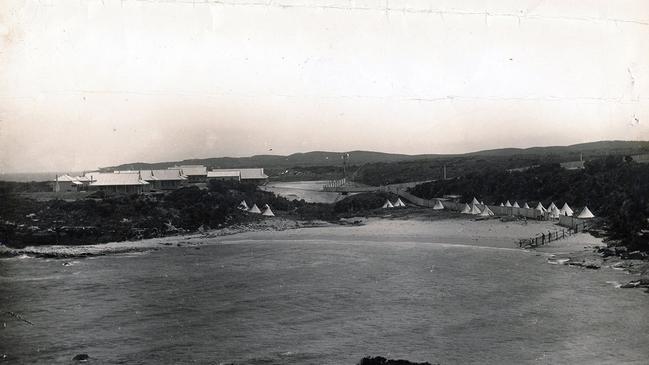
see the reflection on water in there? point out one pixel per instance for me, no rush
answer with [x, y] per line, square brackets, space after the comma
[322, 300]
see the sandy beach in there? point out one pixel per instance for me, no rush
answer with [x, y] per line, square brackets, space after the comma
[408, 288]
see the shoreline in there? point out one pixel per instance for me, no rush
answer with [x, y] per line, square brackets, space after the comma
[581, 251]
[588, 255]
[153, 244]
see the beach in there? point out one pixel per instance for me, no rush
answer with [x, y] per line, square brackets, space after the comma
[445, 291]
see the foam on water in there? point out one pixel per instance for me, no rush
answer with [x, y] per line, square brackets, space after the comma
[299, 299]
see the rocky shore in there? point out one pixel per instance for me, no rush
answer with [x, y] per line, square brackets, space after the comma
[145, 245]
[591, 253]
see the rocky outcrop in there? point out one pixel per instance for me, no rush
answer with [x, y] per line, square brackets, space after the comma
[81, 357]
[379, 360]
[643, 282]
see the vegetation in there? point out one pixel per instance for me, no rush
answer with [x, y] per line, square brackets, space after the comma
[614, 188]
[102, 218]
[362, 202]
[322, 158]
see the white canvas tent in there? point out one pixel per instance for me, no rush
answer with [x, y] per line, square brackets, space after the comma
[243, 205]
[554, 212]
[565, 210]
[399, 203]
[502, 205]
[552, 206]
[254, 209]
[526, 206]
[387, 205]
[540, 207]
[466, 209]
[438, 205]
[486, 212]
[508, 204]
[475, 201]
[475, 209]
[515, 205]
[267, 212]
[586, 214]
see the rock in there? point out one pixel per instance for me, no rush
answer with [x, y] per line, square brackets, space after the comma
[379, 360]
[619, 251]
[81, 357]
[606, 252]
[631, 284]
[636, 255]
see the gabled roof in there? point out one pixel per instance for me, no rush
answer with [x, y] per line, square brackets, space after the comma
[65, 178]
[191, 170]
[109, 179]
[162, 175]
[83, 178]
[224, 173]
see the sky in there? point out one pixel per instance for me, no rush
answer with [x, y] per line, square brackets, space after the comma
[86, 84]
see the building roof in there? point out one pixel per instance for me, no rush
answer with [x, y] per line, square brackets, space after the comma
[110, 179]
[191, 170]
[159, 175]
[168, 175]
[224, 173]
[65, 178]
[82, 178]
[256, 173]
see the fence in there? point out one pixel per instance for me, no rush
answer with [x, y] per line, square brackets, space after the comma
[543, 238]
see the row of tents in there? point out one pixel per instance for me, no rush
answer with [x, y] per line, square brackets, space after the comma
[255, 209]
[397, 204]
[475, 210]
[552, 210]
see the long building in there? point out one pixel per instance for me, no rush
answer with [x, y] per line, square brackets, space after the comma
[250, 175]
[121, 183]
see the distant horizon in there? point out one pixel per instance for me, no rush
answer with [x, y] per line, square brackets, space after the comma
[66, 171]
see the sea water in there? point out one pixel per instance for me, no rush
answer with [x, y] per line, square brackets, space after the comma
[321, 296]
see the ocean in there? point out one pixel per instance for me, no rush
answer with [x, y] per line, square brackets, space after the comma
[323, 296]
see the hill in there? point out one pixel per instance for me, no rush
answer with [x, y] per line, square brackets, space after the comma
[358, 158]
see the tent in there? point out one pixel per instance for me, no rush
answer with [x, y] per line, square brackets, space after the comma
[516, 205]
[565, 210]
[466, 209]
[486, 212]
[526, 206]
[387, 204]
[243, 205]
[552, 206]
[502, 205]
[586, 214]
[508, 204]
[438, 206]
[267, 212]
[554, 212]
[254, 209]
[475, 209]
[475, 201]
[399, 203]
[540, 207]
